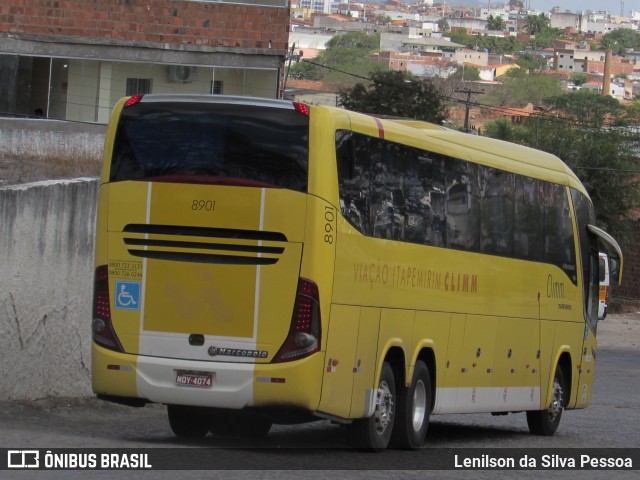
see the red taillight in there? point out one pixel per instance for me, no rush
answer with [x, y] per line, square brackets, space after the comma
[101, 327]
[304, 334]
[133, 100]
[301, 108]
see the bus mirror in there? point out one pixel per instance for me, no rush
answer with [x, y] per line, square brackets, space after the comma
[614, 252]
[602, 270]
[614, 271]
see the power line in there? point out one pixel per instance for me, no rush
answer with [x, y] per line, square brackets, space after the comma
[606, 169]
[468, 91]
[500, 109]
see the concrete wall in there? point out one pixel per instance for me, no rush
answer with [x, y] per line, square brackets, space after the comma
[39, 138]
[46, 275]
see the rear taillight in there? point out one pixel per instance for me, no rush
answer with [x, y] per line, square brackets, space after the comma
[101, 326]
[301, 108]
[304, 334]
[133, 100]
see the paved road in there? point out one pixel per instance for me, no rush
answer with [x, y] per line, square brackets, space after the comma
[611, 421]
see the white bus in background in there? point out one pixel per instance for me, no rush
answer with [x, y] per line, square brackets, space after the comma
[603, 297]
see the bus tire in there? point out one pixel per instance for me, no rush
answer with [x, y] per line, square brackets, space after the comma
[545, 422]
[374, 433]
[252, 425]
[414, 408]
[187, 422]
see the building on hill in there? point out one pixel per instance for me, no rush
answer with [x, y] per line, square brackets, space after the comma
[72, 60]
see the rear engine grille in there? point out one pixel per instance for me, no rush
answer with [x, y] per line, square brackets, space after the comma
[220, 240]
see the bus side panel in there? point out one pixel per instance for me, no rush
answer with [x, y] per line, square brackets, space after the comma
[447, 388]
[431, 330]
[340, 357]
[363, 396]
[587, 371]
[290, 384]
[557, 338]
[396, 330]
[348, 389]
[516, 372]
[477, 364]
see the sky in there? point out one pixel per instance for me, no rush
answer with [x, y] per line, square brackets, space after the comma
[613, 6]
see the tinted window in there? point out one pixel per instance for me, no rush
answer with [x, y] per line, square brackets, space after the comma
[497, 211]
[528, 219]
[585, 215]
[355, 180]
[202, 142]
[558, 231]
[397, 192]
[463, 205]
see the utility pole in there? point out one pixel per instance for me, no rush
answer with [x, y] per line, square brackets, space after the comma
[284, 86]
[469, 92]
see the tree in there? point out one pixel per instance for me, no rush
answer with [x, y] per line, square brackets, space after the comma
[519, 89]
[546, 38]
[383, 20]
[496, 23]
[535, 24]
[596, 136]
[499, 45]
[346, 58]
[465, 73]
[443, 25]
[621, 39]
[578, 78]
[396, 94]
[531, 64]
[502, 129]
[462, 37]
[359, 40]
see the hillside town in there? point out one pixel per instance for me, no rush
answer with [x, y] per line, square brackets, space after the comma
[420, 38]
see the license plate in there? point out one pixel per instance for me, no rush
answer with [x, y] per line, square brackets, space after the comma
[194, 379]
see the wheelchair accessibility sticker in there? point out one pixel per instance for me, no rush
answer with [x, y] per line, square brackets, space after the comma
[127, 295]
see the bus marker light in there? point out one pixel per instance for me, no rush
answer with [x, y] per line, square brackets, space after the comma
[124, 368]
[271, 380]
[301, 108]
[133, 100]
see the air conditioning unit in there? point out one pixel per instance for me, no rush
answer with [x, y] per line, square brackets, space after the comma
[181, 73]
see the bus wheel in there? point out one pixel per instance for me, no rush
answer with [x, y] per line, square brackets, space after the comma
[374, 433]
[187, 422]
[414, 408]
[545, 422]
[252, 425]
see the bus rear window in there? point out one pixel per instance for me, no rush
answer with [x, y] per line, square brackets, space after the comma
[212, 143]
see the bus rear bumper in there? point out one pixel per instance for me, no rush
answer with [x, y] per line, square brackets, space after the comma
[233, 385]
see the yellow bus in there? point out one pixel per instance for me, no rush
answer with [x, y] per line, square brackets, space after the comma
[264, 261]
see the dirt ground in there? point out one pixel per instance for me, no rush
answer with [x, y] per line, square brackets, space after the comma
[620, 330]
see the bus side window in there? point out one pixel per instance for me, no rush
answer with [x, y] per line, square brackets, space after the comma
[558, 229]
[463, 206]
[497, 212]
[527, 237]
[353, 177]
[434, 198]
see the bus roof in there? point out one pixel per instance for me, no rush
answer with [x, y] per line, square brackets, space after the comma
[483, 150]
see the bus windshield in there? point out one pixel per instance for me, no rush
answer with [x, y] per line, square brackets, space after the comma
[212, 143]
